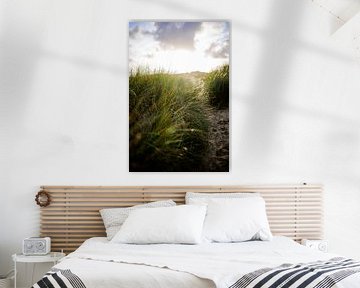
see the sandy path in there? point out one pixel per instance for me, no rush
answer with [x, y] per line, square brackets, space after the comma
[218, 159]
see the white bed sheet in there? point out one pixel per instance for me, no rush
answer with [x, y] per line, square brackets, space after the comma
[101, 274]
[100, 263]
[108, 274]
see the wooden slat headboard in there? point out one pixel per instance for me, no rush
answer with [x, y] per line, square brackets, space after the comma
[73, 215]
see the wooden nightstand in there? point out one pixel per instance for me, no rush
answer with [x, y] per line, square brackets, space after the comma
[53, 257]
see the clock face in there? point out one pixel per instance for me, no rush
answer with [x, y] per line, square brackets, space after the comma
[40, 245]
[323, 247]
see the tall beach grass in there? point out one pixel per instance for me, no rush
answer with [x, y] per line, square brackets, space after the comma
[216, 87]
[168, 124]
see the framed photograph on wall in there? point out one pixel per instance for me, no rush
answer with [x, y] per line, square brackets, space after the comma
[179, 96]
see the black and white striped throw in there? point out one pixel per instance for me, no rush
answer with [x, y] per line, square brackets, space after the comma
[58, 278]
[320, 274]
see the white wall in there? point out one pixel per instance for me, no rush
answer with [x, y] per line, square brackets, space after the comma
[64, 103]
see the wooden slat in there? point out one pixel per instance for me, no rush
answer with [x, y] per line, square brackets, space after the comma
[187, 187]
[73, 216]
[70, 232]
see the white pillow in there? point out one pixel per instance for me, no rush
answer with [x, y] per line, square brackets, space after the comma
[113, 218]
[236, 220]
[180, 224]
[204, 198]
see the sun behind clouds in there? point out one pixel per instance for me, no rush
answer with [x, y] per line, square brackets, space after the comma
[178, 47]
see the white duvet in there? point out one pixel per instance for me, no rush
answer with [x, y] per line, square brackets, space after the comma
[100, 263]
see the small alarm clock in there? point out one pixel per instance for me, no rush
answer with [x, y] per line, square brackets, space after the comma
[36, 246]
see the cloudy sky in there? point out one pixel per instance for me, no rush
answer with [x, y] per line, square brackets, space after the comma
[179, 46]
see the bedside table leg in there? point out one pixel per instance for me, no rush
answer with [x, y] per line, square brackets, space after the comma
[32, 274]
[15, 273]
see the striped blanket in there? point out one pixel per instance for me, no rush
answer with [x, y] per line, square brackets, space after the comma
[320, 274]
[57, 278]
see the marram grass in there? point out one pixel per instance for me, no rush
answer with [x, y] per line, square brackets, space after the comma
[216, 87]
[168, 123]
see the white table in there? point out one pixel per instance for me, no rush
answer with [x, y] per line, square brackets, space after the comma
[53, 257]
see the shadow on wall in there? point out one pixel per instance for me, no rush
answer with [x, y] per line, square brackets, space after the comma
[268, 96]
[20, 51]
[21, 36]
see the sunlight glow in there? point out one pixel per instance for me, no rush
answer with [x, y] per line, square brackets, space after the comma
[179, 47]
[182, 61]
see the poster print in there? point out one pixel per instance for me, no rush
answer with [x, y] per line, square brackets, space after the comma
[179, 96]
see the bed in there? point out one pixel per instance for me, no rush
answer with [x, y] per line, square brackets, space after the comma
[99, 263]
[294, 212]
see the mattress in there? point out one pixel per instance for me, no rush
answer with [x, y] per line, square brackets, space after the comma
[99, 263]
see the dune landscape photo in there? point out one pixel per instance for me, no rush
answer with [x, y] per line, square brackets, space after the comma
[179, 96]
